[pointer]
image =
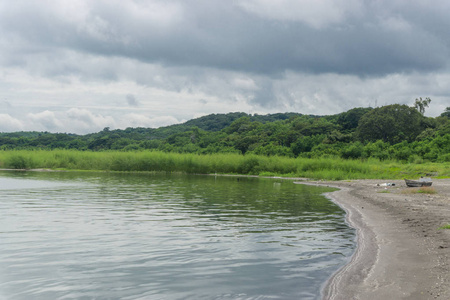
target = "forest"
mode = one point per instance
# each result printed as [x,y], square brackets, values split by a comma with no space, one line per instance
[392,132]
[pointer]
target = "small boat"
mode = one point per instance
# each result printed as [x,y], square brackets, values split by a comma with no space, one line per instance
[423,181]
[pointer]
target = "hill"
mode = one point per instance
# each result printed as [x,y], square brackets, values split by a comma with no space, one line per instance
[394,131]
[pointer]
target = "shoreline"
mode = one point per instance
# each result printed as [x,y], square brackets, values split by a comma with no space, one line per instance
[401,253]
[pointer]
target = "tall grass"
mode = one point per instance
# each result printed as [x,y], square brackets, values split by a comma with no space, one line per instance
[315,168]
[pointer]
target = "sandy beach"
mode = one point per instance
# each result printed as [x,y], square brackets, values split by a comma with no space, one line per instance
[401,253]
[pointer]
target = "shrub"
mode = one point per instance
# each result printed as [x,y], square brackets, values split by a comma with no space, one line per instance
[354,151]
[19,161]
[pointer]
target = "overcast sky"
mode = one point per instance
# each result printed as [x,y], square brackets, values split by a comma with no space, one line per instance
[81,65]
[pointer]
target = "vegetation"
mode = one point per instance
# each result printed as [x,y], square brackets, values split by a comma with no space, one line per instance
[385,141]
[222,163]
[447,226]
[421,190]
[391,124]
[420,104]
[384,192]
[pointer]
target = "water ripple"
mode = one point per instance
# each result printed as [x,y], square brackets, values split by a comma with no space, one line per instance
[116,236]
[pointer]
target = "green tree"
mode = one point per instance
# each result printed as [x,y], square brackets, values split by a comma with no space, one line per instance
[420,104]
[318,126]
[392,123]
[354,150]
[239,125]
[349,120]
[306,143]
[446,113]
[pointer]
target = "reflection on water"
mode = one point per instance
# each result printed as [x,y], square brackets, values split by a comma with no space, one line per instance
[143,236]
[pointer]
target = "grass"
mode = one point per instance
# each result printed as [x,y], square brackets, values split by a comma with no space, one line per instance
[421,190]
[384,192]
[154,161]
[427,190]
[447,226]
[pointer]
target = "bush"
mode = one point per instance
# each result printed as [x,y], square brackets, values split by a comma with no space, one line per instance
[250,165]
[444,157]
[415,159]
[19,161]
[353,151]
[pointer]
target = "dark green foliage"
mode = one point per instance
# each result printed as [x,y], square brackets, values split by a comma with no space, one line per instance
[240,125]
[273,149]
[249,166]
[392,123]
[336,136]
[353,151]
[378,149]
[215,122]
[19,161]
[444,129]
[349,120]
[393,132]
[306,143]
[446,113]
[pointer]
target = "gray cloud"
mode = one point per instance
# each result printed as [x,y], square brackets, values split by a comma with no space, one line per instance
[374,39]
[131,100]
[261,56]
[6,104]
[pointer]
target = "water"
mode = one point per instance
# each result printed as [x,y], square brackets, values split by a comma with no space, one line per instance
[125,236]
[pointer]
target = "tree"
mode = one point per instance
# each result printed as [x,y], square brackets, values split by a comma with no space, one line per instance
[240,124]
[446,113]
[420,104]
[317,126]
[349,120]
[392,123]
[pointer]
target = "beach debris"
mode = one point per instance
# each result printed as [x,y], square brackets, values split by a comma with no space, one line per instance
[386,184]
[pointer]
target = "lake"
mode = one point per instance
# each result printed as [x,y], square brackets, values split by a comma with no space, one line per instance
[85,235]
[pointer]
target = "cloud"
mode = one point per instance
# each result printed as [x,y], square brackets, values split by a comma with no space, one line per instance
[6,104]
[131,100]
[69,66]
[8,123]
[315,13]
[46,120]
[264,95]
[74,120]
[335,93]
[320,36]
[83,120]
[139,120]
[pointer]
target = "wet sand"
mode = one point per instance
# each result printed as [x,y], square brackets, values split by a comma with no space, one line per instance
[401,254]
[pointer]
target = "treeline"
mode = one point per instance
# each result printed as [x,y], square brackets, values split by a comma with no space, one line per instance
[392,132]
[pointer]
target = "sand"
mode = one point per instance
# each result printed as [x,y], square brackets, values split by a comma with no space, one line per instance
[401,253]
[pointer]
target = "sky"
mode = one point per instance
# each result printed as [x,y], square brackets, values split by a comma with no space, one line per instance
[79,66]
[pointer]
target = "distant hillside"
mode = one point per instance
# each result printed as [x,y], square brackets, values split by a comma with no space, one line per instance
[394,131]
[212,122]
